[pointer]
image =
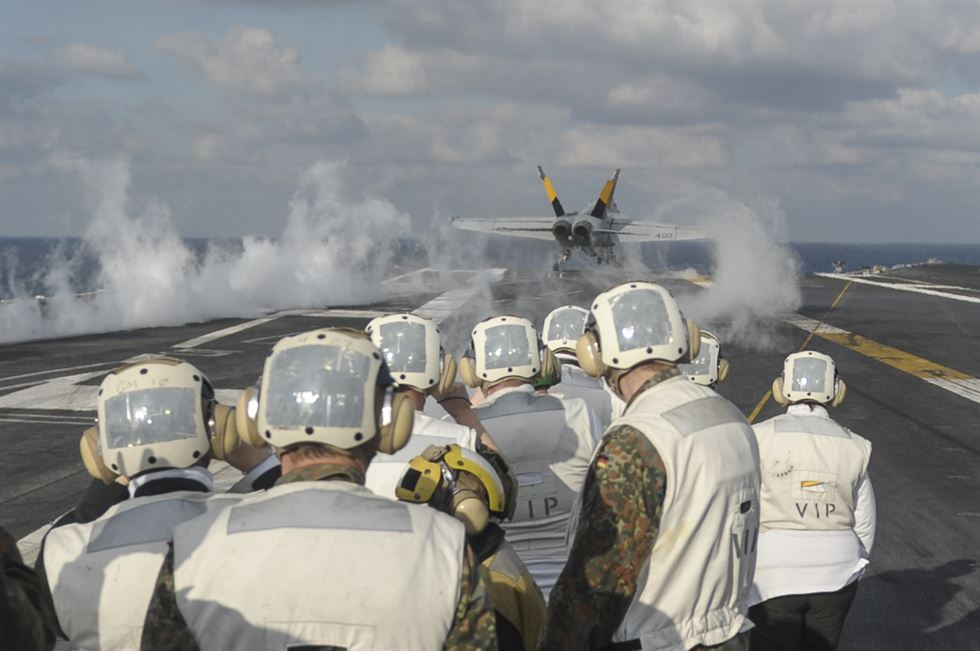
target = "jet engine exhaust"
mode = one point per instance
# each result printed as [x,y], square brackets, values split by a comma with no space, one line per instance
[562,230]
[582,232]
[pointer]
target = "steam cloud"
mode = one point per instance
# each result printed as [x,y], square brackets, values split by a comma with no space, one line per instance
[333,250]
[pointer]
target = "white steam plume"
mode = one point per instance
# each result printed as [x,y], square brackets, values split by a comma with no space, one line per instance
[333,250]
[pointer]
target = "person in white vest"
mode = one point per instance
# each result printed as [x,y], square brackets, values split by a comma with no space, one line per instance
[547,441]
[818,511]
[663,551]
[710,367]
[319,561]
[467,486]
[412,348]
[560,332]
[158,423]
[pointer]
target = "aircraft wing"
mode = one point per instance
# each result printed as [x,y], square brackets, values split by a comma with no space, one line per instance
[538,228]
[637,230]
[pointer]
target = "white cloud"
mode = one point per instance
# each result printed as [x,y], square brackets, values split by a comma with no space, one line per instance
[389,72]
[642,147]
[248,61]
[96,60]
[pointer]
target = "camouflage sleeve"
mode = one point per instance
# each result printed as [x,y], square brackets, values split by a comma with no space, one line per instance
[622,501]
[474,626]
[165,628]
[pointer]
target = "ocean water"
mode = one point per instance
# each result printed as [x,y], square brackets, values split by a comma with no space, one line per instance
[25,263]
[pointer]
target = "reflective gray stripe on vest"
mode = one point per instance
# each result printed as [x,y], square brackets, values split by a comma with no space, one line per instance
[318,509]
[416,444]
[514,404]
[145,524]
[789,424]
[703,413]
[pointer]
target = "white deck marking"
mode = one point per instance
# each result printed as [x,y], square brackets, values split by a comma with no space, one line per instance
[224,332]
[917,288]
[57,393]
[443,305]
[53,371]
[348,314]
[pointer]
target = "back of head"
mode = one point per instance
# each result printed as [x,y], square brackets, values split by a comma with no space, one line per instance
[330,387]
[413,351]
[154,413]
[502,348]
[635,323]
[710,367]
[456,481]
[562,328]
[809,376]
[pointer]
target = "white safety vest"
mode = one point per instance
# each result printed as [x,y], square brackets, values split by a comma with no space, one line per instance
[576,383]
[102,573]
[548,443]
[812,469]
[695,585]
[324,564]
[387,470]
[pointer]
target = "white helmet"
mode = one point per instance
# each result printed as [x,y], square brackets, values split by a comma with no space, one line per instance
[502,348]
[633,323]
[332,387]
[412,349]
[157,412]
[812,377]
[562,328]
[709,368]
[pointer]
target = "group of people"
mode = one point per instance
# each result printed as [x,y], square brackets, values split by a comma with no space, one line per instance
[581,488]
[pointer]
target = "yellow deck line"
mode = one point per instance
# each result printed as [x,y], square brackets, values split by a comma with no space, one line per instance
[920,367]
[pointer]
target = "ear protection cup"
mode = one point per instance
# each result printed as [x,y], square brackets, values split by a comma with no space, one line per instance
[589,356]
[723,368]
[467,372]
[224,433]
[550,365]
[777,391]
[693,341]
[88,447]
[841,391]
[397,430]
[246,427]
[448,373]
[469,509]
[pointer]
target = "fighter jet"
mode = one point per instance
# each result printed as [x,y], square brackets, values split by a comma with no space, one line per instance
[595,230]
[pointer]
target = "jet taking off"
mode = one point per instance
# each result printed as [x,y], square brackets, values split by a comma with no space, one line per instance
[595,230]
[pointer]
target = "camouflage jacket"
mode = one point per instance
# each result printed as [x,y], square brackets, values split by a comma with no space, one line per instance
[474,626]
[622,501]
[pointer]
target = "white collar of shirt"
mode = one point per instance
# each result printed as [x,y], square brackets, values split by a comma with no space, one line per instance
[195,473]
[524,388]
[805,409]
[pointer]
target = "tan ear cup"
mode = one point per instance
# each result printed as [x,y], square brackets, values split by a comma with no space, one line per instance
[224,436]
[88,446]
[448,373]
[693,340]
[467,372]
[589,357]
[777,391]
[839,394]
[395,435]
[247,428]
[723,368]
[469,509]
[550,366]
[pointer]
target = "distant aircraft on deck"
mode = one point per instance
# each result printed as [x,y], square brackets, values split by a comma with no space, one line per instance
[595,230]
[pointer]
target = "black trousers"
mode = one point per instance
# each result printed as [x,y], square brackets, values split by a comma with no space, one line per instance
[804,622]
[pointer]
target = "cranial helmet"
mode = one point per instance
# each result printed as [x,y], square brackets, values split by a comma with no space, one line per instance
[809,376]
[328,386]
[411,347]
[502,348]
[634,323]
[455,481]
[709,368]
[562,328]
[155,412]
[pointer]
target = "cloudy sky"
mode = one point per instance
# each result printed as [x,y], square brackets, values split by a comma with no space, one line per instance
[861,119]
